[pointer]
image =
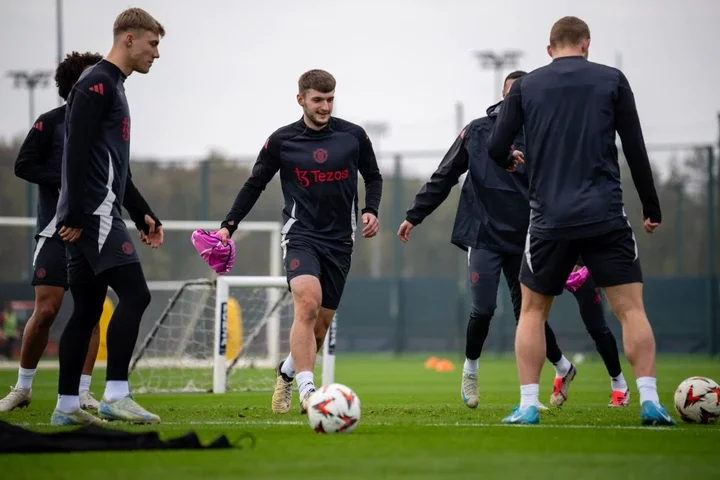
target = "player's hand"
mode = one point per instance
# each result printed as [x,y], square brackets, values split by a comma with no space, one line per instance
[650,226]
[518,158]
[404,232]
[372,225]
[155,235]
[70,234]
[224,235]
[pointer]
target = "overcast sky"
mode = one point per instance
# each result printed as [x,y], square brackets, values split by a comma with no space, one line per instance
[228,69]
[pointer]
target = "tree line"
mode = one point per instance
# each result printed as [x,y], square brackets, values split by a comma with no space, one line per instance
[205,190]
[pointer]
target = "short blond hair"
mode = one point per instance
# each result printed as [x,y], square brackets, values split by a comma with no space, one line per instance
[569,32]
[137,19]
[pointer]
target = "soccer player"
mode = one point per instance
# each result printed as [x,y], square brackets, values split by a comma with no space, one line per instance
[570,111]
[96,182]
[39,162]
[318,157]
[491,225]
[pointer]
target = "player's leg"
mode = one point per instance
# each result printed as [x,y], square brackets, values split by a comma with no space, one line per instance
[286,368]
[87,401]
[128,282]
[590,304]
[614,262]
[285,372]
[511,270]
[484,270]
[88,294]
[35,337]
[544,270]
[303,271]
[50,282]
[334,269]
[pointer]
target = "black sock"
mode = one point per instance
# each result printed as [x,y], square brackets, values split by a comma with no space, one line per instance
[131,288]
[477,332]
[589,301]
[552,350]
[88,299]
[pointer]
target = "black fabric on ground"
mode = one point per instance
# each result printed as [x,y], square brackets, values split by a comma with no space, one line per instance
[16,439]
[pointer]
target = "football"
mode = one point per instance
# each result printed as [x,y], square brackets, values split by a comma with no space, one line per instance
[334,408]
[697,400]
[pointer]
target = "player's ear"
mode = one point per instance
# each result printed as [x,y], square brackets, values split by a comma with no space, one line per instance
[549,51]
[300,100]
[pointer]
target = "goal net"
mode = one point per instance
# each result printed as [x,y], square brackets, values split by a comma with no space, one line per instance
[222,335]
[216,335]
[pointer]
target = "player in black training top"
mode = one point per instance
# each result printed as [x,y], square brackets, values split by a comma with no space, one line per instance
[39,162]
[491,225]
[318,158]
[96,182]
[570,111]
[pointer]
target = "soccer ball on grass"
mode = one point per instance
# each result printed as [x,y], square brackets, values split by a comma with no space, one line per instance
[697,400]
[333,408]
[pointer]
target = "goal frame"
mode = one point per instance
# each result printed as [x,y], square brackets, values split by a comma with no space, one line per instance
[222,296]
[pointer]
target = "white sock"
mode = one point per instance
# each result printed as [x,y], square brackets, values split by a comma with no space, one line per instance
[529,395]
[68,403]
[288,367]
[305,383]
[85,383]
[647,386]
[618,383]
[562,367]
[116,390]
[25,377]
[471,366]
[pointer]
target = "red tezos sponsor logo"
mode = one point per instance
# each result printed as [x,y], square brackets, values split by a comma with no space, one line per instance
[306,177]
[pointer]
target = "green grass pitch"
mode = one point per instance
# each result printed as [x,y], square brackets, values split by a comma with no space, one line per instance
[414,425]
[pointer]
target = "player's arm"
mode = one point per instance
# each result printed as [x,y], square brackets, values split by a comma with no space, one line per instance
[507,127]
[265,168]
[84,121]
[627,124]
[445,177]
[368,168]
[137,207]
[31,164]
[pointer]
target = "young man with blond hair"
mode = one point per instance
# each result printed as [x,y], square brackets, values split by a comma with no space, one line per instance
[96,183]
[319,158]
[570,111]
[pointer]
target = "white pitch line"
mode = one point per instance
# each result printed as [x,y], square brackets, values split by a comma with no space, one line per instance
[439,425]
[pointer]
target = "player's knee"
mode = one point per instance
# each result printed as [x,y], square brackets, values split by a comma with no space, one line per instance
[47,307]
[483,309]
[45,314]
[307,297]
[599,331]
[626,301]
[143,297]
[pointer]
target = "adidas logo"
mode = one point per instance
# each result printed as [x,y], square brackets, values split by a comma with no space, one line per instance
[38,126]
[98,89]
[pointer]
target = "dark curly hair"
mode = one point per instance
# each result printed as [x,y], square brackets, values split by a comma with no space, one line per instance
[69,70]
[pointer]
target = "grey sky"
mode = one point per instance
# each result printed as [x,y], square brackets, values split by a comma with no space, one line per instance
[228,69]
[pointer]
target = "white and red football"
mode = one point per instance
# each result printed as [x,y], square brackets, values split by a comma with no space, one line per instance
[697,400]
[334,408]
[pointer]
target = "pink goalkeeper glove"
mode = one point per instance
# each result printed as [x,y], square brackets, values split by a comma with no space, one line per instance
[218,256]
[576,279]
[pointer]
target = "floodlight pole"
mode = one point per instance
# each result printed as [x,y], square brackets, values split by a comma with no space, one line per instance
[498,62]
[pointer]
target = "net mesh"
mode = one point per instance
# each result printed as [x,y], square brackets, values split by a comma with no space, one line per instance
[177,353]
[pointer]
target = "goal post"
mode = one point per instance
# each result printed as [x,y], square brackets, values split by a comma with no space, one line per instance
[270,285]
